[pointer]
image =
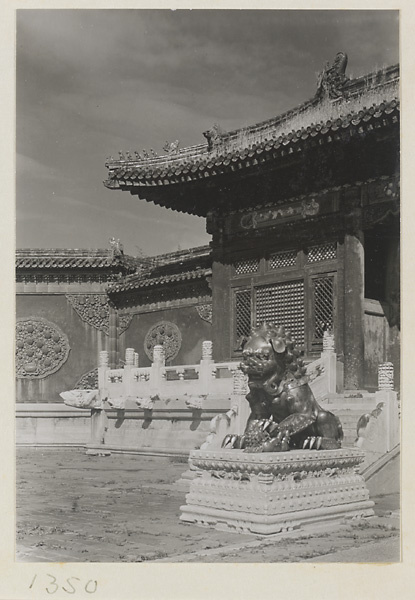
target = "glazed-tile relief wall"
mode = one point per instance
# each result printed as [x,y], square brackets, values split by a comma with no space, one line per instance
[55,344]
[59,336]
[182,331]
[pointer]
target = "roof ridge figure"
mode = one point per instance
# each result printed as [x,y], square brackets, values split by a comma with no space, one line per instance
[332,80]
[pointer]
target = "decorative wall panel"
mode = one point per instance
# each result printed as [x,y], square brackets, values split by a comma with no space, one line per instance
[124,321]
[205,312]
[94,309]
[41,348]
[88,381]
[166,334]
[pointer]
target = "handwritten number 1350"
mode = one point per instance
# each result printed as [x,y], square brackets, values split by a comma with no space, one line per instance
[90,587]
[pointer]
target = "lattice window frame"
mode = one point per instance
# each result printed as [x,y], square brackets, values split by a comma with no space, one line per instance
[248,266]
[282,313]
[282,260]
[322,253]
[242,322]
[322,284]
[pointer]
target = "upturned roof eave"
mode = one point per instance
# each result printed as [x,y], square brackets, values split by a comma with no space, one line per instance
[168,193]
[310,114]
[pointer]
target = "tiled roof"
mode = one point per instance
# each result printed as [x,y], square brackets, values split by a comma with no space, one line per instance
[368,102]
[56,258]
[180,256]
[136,282]
[148,272]
[174,267]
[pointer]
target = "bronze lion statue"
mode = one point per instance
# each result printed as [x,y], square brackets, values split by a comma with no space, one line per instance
[284,412]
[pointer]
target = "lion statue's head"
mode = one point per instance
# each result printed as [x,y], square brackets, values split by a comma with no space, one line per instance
[269,351]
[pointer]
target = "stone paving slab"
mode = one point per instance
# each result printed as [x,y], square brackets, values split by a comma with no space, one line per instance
[385,551]
[124,508]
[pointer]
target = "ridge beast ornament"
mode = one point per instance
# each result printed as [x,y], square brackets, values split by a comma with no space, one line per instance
[284,413]
[332,80]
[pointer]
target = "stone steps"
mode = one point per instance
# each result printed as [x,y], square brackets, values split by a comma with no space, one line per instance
[349,407]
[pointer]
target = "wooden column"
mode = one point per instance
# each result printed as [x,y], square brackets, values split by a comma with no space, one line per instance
[221,311]
[354,285]
[113,338]
[221,293]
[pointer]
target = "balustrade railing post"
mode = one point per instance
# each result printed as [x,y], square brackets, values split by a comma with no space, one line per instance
[205,373]
[103,365]
[329,362]
[389,398]
[385,376]
[127,376]
[157,365]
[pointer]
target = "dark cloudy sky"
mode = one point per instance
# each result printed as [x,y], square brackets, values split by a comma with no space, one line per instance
[92,82]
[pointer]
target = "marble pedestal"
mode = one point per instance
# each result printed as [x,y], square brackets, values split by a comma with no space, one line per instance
[268,493]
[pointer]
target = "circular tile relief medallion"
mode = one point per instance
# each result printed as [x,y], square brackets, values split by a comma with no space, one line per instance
[166,334]
[41,348]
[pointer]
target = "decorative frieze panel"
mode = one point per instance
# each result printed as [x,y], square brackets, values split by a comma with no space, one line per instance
[205,312]
[381,190]
[166,334]
[41,348]
[63,277]
[94,309]
[379,212]
[267,217]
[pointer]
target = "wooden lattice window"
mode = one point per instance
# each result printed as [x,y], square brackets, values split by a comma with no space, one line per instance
[243,311]
[283,259]
[243,267]
[323,305]
[283,304]
[322,252]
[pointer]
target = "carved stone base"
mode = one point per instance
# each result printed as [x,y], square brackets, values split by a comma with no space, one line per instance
[272,492]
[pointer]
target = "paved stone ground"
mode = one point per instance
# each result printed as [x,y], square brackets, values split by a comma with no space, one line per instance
[123,508]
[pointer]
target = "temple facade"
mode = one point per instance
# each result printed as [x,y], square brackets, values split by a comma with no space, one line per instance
[303,210]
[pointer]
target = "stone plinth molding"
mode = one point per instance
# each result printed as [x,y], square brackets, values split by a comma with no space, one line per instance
[273,492]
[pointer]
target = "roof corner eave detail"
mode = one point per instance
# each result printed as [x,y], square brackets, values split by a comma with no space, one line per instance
[370,102]
[111,184]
